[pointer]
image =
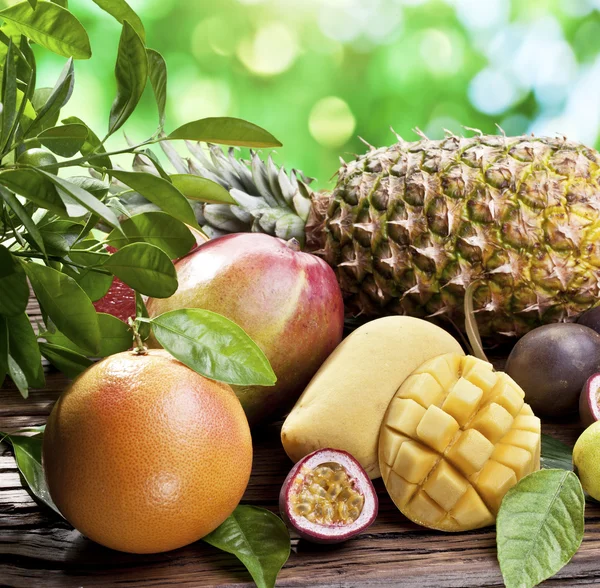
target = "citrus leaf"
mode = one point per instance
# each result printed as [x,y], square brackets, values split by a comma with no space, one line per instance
[131,72]
[539,527]
[33,186]
[18,376]
[32,3]
[51,26]
[93,283]
[144,268]
[28,455]
[3,350]
[82,196]
[14,291]
[13,202]
[64,140]
[140,311]
[258,538]
[157,71]
[65,360]
[213,346]
[23,348]
[225,131]
[67,305]
[9,95]
[156,228]
[197,188]
[92,145]
[121,11]
[51,102]
[556,454]
[160,192]
[115,335]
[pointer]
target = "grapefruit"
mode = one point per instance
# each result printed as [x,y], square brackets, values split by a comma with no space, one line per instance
[142,454]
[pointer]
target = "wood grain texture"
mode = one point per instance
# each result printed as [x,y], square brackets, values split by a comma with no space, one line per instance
[37,548]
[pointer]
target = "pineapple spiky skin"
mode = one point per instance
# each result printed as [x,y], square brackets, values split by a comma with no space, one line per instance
[409,227]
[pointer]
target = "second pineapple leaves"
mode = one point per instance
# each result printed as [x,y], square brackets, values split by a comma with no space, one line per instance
[226,131]
[539,527]
[145,268]
[51,26]
[213,346]
[258,538]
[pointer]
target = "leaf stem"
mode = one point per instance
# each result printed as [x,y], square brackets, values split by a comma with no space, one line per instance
[139,347]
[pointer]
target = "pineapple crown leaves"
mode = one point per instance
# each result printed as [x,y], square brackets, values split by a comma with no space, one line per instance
[268,199]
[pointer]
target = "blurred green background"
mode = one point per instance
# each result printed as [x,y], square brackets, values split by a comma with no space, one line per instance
[320,73]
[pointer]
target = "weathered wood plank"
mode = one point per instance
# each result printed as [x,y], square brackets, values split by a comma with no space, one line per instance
[38,548]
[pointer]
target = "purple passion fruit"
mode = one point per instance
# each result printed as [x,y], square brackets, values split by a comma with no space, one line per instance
[328,497]
[591,318]
[552,363]
[589,401]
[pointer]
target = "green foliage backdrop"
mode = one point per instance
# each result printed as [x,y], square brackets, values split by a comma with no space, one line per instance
[319,73]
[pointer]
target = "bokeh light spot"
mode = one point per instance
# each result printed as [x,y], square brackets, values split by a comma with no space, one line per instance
[331,122]
[492,91]
[213,34]
[272,51]
[442,54]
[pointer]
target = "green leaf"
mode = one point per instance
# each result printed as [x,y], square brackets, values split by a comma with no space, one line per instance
[9,96]
[145,268]
[23,348]
[95,187]
[122,12]
[14,291]
[140,311]
[92,145]
[64,140]
[93,283]
[32,3]
[156,228]
[94,258]
[225,131]
[157,71]
[556,454]
[28,455]
[197,188]
[67,361]
[18,376]
[35,187]
[3,350]
[160,192]
[59,236]
[13,202]
[258,538]
[49,110]
[115,335]
[213,346]
[51,26]
[539,527]
[131,72]
[67,305]
[82,196]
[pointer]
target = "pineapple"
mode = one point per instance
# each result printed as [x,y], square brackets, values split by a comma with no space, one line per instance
[409,227]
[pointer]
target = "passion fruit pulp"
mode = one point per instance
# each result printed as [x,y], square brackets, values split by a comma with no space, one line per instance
[328,497]
[589,401]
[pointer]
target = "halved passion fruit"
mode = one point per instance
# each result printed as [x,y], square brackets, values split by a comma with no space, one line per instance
[589,401]
[328,497]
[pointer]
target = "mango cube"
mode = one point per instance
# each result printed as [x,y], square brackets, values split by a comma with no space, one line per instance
[401,490]
[424,510]
[414,461]
[517,459]
[493,422]
[437,428]
[443,368]
[470,452]
[524,439]
[470,512]
[424,389]
[493,482]
[390,445]
[445,485]
[404,415]
[462,401]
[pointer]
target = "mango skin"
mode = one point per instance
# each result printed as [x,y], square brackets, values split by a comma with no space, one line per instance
[344,404]
[287,301]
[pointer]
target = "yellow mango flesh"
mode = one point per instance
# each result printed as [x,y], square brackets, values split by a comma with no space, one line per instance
[344,404]
[455,438]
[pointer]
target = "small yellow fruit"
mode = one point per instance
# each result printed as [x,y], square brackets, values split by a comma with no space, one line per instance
[586,459]
[144,455]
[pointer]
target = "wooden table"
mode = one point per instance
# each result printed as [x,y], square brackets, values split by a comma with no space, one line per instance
[37,548]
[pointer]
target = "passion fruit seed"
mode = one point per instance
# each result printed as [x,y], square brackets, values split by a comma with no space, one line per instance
[327,495]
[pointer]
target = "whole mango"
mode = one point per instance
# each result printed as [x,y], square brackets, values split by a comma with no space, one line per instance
[287,301]
[345,402]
